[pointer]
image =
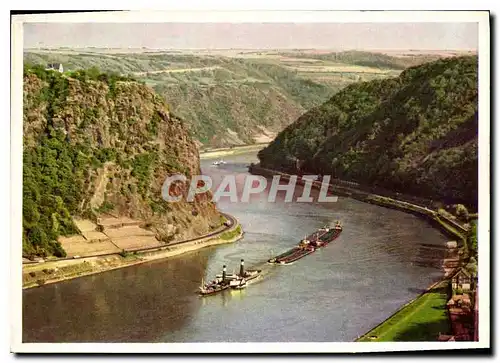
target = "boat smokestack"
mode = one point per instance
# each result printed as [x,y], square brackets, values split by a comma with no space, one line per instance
[224,273]
[242,268]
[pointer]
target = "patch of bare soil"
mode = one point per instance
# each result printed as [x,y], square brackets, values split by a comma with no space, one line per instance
[79,246]
[110,235]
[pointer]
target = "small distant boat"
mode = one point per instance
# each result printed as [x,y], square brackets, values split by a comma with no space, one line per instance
[219,162]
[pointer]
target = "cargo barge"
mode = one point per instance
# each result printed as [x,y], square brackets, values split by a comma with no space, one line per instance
[234,281]
[308,245]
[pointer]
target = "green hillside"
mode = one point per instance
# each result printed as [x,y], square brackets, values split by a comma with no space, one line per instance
[415,133]
[95,143]
[227,100]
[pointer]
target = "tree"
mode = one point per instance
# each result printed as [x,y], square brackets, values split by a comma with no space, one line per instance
[462,213]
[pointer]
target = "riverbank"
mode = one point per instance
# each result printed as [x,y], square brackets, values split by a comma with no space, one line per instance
[39,274]
[418,320]
[220,152]
[353,190]
[431,304]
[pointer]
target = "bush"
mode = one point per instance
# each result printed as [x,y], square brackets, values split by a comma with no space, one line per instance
[124,253]
[59,250]
[166,238]
[462,213]
[40,282]
[51,192]
[231,234]
[473,237]
[106,206]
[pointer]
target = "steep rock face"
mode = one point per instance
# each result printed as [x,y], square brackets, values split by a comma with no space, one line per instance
[95,143]
[416,133]
[233,115]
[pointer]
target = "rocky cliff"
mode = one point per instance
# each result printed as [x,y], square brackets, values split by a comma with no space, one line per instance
[98,143]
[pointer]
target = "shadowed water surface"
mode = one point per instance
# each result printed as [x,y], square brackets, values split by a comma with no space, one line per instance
[382,259]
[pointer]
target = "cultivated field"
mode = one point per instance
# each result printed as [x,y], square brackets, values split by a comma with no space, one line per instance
[110,235]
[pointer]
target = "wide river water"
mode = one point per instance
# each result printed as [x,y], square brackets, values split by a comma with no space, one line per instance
[381,260]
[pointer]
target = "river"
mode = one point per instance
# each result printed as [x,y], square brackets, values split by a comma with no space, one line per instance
[380,261]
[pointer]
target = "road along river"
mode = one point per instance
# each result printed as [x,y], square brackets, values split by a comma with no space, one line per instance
[382,259]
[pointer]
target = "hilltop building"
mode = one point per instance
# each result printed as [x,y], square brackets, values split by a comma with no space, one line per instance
[55,67]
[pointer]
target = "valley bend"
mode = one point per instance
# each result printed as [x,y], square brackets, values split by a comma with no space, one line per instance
[284,180]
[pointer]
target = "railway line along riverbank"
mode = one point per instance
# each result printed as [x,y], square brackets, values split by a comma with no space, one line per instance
[37,273]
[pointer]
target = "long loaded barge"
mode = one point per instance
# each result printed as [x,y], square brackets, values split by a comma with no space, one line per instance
[308,245]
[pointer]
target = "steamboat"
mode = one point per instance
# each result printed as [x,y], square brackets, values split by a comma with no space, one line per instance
[308,245]
[233,281]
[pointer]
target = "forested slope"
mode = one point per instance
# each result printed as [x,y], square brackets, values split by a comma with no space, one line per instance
[227,100]
[415,133]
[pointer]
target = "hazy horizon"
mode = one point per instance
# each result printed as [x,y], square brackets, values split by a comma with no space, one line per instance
[213,36]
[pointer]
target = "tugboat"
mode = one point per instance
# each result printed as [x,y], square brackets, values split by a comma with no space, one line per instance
[215,286]
[247,275]
[238,284]
[235,281]
[240,280]
[308,245]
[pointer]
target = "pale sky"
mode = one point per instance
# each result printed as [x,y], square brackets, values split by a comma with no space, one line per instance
[438,36]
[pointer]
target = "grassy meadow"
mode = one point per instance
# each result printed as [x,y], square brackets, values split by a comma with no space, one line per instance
[421,320]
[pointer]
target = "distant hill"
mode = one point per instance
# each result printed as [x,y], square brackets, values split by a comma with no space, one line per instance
[416,133]
[372,59]
[231,100]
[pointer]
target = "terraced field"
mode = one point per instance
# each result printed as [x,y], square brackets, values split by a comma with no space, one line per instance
[110,235]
